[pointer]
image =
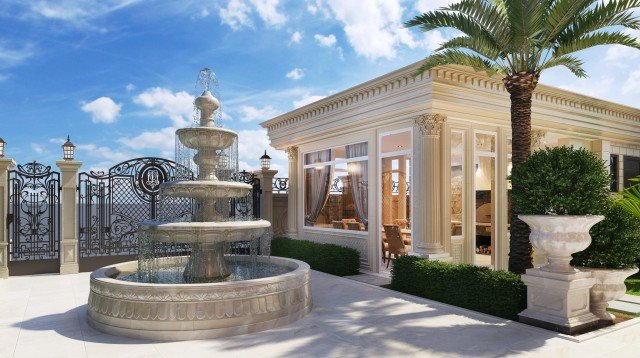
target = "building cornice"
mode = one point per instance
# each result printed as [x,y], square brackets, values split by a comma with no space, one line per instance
[462,76]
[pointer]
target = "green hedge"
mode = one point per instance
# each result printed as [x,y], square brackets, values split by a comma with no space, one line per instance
[498,293]
[329,258]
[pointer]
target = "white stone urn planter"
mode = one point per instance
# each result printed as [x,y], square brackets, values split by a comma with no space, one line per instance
[609,287]
[560,236]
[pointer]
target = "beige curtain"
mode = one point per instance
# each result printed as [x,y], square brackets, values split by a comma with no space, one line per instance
[318,182]
[359,178]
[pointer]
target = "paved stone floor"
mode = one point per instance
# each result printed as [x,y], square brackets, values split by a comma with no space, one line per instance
[44,316]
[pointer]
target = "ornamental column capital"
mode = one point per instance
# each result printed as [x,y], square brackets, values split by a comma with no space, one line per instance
[292,153]
[430,124]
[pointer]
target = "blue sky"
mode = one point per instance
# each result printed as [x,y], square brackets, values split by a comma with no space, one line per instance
[118,75]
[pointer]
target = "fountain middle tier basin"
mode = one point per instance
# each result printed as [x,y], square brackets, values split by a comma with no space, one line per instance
[204,232]
[205,189]
[197,311]
[206,137]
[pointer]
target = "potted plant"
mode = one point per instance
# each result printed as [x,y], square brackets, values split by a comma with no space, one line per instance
[611,257]
[560,193]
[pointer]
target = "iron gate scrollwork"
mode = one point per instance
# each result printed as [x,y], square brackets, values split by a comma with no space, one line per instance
[250,205]
[34,215]
[112,204]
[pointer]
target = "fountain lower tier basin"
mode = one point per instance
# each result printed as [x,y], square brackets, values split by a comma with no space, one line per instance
[205,189]
[211,138]
[204,232]
[197,311]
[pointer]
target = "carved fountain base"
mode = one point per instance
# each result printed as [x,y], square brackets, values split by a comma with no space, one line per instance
[197,311]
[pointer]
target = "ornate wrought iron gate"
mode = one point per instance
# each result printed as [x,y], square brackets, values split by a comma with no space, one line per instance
[112,204]
[34,219]
[246,207]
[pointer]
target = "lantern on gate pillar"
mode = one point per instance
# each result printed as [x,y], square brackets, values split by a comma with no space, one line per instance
[68,149]
[265,161]
[2,144]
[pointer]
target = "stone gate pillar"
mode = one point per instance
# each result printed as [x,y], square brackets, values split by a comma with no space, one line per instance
[69,219]
[292,199]
[266,186]
[5,165]
[429,238]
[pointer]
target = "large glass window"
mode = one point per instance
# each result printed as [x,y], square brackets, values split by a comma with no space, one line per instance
[457,182]
[485,173]
[336,188]
[631,167]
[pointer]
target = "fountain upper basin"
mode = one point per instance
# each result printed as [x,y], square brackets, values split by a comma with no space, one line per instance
[204,232]
[205,189]
[206,137]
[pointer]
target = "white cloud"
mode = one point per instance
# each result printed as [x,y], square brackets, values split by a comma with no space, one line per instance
[423,6]
[325,41]
[236,14]
[252,144]
[103,110]
[307,99]
[621,55]
[130,87]
[296,37]
[79,13]
[632,83]
[160,140]
[295,74]
[251,113]
[37,148]
[10,57]
[268,12]
[177,106]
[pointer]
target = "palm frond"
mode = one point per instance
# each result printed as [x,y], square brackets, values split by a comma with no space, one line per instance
[573,63]
[472,43]
[561,14]
[596,39]
[526,19]
[439,19]
[457,57]
[631,200]
[487,15]
[602,15]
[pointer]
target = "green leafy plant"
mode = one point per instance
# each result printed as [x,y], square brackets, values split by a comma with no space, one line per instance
[615,241]
[498,293]
[518,40]
[631,199]
[329,258]
[561,181]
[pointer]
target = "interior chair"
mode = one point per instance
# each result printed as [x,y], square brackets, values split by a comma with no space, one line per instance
[394,240]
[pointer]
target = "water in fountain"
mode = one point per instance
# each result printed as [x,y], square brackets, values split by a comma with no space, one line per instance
[221,240]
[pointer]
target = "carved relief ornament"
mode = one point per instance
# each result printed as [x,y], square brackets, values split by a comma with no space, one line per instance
[430,124]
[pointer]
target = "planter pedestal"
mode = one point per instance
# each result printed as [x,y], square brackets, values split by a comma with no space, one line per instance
[559,301]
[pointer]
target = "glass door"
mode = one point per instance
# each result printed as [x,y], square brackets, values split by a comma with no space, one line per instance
[485,191]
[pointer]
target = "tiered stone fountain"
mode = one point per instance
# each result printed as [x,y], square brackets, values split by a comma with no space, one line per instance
[212,300]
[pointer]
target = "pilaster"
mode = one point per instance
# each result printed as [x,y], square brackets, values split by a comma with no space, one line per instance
[266,186]
[69,243]
[5,165]
[429,241]
[292,199]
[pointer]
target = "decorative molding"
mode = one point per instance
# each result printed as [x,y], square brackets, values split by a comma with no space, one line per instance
[537,135]
[430,124]
[292,153]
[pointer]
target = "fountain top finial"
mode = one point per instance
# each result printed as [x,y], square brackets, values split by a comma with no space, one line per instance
[206,103]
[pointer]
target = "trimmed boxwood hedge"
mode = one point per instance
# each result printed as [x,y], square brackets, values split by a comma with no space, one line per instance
[329,258]
[498,293]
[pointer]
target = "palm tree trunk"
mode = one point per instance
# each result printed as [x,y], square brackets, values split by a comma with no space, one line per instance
[520,87]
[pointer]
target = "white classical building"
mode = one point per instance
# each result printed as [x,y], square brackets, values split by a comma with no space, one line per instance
[428,157]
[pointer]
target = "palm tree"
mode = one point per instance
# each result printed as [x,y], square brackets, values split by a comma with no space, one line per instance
[518,39]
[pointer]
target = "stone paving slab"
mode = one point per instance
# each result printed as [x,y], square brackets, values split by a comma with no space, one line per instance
[45,316]
[376,280]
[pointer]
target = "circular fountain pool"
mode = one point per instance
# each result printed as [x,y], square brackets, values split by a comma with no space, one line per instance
[162,311]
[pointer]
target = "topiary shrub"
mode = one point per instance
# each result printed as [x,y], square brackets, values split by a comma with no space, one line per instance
[615,241]
[561,181]
[329,258]
[498,293]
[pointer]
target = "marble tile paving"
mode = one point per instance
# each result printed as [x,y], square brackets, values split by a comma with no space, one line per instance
[45,316]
